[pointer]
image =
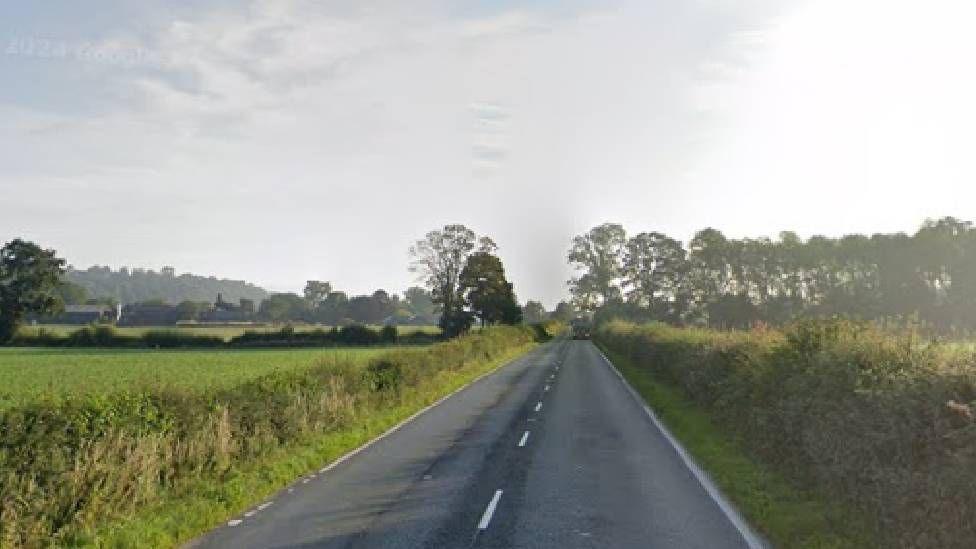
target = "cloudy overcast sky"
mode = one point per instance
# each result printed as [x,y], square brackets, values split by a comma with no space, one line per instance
[283,140]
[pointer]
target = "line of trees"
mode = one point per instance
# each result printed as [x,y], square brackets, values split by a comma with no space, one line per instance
[927,277]
[134,285]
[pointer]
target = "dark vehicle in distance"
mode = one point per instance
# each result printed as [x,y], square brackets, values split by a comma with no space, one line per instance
[581,328]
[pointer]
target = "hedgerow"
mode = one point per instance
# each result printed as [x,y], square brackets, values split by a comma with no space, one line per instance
[882,423]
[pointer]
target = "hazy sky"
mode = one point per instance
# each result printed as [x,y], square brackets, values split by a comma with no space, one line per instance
[282,140]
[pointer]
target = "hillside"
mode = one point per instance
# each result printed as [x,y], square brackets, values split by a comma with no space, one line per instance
[129,286]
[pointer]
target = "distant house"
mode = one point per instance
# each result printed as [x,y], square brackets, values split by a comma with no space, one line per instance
[149,314]
[224,311]
[80,314]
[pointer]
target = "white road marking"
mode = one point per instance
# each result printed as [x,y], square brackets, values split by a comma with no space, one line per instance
[290,490]
[264,506]
[751,538]
[249,514]
[547,388]
[525,437]
[490,511]
[305,481]
[538,406]
[234,522]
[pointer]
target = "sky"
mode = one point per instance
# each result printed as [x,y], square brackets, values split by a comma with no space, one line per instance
[279,141]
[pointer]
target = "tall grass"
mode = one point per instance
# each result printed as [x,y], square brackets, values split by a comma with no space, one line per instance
[878,422]
[69,467]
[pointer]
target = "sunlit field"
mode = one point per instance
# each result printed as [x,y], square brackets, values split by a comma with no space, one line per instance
[30,373]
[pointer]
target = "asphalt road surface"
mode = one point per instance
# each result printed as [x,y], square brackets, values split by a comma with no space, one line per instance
[552,450]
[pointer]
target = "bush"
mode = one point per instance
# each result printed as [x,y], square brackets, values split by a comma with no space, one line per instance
[877,421]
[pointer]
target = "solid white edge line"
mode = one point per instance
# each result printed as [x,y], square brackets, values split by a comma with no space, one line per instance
[752,539]
[538,407]
[525,437]
[490,511]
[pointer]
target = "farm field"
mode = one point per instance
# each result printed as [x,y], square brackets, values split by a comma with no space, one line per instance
[30,373]
[226,332]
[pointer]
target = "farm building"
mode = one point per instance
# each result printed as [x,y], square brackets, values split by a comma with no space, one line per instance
[80,314]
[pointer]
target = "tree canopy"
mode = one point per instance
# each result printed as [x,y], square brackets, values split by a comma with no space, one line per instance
[29,280]
[929,276]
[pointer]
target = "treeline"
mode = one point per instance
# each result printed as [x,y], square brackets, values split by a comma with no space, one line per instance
[928,277]
[321,304]
[288,336]
[139,285]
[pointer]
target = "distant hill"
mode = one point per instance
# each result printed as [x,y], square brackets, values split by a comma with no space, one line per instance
[135,285]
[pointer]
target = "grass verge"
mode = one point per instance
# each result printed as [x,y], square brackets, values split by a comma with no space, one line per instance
[785,515]
[206,503]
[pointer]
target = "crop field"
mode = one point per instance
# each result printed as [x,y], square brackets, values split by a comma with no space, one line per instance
[225,331]
[30,373]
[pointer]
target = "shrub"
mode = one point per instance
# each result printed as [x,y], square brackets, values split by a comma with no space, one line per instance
[877,421]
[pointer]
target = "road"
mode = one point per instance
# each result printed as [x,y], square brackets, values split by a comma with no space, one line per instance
[552,450]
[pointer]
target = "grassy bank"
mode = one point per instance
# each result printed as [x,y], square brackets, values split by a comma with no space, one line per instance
[152,469]
[785,515]
[834,420]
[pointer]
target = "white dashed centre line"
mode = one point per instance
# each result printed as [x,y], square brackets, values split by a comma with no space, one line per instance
[538,406]
[547,388]
[490,511]
[525,437]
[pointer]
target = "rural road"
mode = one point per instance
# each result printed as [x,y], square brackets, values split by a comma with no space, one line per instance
[592,471]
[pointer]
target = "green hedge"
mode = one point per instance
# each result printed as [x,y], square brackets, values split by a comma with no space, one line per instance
[67,467]
[882,423]
[107,336]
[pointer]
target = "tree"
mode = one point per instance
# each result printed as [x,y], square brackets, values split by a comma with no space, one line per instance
[420,303]
[438,259]
[283,307]
[72,294]
[654,268]
[29,280]
[598,254]
[316,292]
[534,312]
[487,291]
[564,311]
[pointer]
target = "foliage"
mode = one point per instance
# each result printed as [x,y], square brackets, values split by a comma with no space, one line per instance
[137,285]
[29,277]
[598,254]
[534,312]
[288,336]
[927,278]
[438,259]
[70,466]
[486,290]
[879,422]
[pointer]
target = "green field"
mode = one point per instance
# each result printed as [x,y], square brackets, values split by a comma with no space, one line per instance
[29,373]
[225,331]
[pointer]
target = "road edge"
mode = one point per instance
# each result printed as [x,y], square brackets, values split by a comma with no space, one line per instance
[750,536]
[194,542]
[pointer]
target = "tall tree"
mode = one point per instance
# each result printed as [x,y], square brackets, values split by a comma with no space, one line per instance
[534,312]
[597,256]
[654,269]
[29,279]
[487,291]
[438,259]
